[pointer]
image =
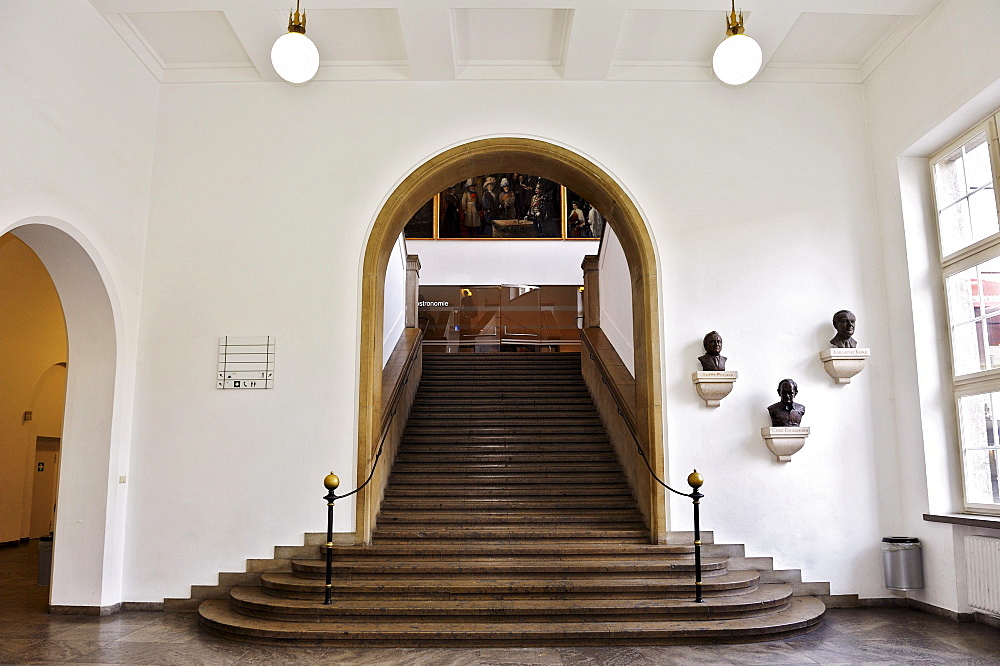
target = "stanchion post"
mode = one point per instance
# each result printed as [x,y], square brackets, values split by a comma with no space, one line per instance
[331,483]
[695,480]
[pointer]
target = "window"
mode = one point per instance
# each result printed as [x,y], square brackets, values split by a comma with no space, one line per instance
[965,175]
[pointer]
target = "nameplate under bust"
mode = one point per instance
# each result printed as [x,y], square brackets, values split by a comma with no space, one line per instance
[779,431]
[714,374]
[846,352]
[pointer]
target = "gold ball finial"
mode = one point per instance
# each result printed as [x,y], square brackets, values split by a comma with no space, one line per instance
[332,481]
[695,480]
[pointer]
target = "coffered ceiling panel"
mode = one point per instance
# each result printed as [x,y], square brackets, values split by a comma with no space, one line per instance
[659,36]
[357,36]
[835,39]
[189,38]
[510,35]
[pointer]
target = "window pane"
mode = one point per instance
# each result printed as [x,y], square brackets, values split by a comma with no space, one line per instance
[967,343]
[983,211]
[949,179]
[963,294]
[981,477]
[978,429]
[956,227]
[977,163]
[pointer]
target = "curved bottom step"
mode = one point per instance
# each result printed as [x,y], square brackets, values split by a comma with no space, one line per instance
[803,615]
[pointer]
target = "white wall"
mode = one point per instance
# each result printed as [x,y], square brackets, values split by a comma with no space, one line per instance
[394,315]
[538,262]
[762,239]
[616,298]
[77,118]
[942,81]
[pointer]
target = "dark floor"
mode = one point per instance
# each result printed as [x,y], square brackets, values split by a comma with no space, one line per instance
[858,636]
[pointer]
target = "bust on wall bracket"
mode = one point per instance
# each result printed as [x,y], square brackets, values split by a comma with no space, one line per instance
[713,382]
[786,434]
[844,359]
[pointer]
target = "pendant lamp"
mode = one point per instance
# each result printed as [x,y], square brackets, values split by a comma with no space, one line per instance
[738,58]
[293,55]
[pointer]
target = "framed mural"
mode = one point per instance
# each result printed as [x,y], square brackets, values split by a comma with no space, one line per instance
[506,206]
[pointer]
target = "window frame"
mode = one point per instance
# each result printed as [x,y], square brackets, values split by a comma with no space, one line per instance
[978,252]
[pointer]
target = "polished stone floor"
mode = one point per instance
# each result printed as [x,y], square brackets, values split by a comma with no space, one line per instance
[858,636]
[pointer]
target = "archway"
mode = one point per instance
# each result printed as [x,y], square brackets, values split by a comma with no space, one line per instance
[576,173]
[86,573]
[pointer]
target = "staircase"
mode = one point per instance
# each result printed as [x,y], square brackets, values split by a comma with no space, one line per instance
[507,521]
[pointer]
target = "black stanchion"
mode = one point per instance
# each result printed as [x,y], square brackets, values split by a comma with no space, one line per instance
[695,480]
[331,482]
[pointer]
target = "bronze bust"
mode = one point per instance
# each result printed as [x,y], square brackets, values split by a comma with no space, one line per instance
[786,412]
[713,358]
[843,321]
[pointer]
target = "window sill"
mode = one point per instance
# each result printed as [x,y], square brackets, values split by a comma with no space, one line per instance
[968,519]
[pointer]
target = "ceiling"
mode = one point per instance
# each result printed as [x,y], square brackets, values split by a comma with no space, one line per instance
[189,41]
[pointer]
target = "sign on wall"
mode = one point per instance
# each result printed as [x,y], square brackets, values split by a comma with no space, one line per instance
[246,363]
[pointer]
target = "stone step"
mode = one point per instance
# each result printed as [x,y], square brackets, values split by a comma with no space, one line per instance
[256,602]
[477,469]
[597,447]
[522,530]
[549,550]
[801,616]
[493,518]
[441,456]
[525,439]
[484,586]
[475,504]
[510,566]
[525,492]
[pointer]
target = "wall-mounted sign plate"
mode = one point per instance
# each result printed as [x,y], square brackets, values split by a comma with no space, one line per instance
[246,363]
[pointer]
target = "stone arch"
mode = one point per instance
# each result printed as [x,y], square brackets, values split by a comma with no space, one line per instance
[521,155]
[86,573]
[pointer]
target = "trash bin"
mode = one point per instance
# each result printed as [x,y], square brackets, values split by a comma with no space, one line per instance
[44,560]
[902,563]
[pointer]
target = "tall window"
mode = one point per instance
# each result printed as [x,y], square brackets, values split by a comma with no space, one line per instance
[965,177]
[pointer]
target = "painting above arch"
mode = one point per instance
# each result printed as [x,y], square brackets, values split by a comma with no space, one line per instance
[506,206]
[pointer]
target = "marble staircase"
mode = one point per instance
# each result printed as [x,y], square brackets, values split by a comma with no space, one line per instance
[508,521]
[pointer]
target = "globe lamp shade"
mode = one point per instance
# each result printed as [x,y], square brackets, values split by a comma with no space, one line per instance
[737,60]
[295,57]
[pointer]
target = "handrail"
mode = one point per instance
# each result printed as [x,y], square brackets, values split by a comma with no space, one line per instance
[390,411]
[695,480]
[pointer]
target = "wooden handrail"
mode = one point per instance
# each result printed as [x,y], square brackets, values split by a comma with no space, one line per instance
[389,408]
[624,409]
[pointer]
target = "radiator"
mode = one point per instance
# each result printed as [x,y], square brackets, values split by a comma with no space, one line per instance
[982,557]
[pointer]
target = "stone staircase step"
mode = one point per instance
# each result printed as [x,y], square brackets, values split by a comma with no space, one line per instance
[256,602]
[478,566]
[503,548]
[512,517]
[483,586]
[802,615]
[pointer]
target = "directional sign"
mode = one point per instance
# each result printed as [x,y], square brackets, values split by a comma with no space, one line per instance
[246,363]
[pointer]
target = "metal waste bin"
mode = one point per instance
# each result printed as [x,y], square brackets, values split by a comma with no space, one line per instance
[44,560]
[902,563]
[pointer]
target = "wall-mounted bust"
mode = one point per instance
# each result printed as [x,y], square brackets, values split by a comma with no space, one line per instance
[786,412]
[713,358]
[843,321]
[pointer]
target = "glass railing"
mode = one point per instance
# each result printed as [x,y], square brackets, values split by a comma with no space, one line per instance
[501,318]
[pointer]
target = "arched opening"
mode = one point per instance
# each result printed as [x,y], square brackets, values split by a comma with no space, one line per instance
[575,172]
[86,569]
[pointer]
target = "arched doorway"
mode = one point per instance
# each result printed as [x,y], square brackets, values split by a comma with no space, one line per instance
[576,173]
[87,553]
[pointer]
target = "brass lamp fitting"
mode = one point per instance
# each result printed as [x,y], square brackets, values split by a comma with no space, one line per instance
[734,22]
[297,20]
